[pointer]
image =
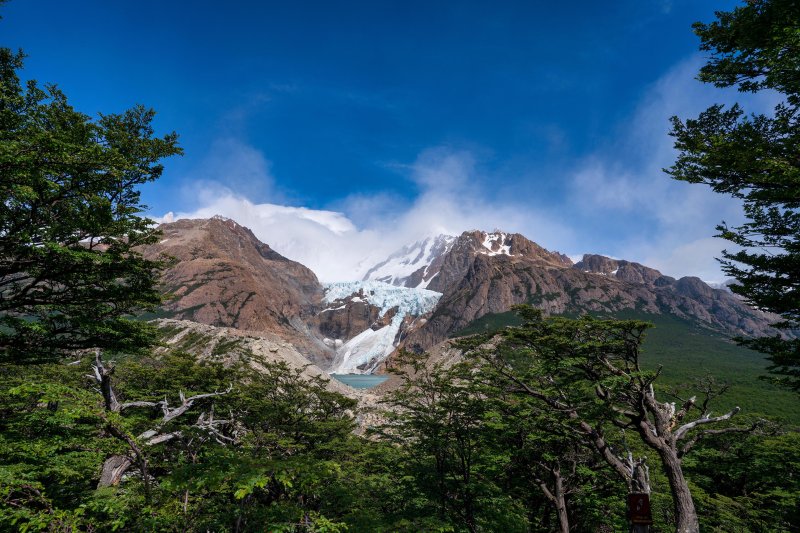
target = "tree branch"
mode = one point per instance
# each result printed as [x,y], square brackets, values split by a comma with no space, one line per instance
[684,429]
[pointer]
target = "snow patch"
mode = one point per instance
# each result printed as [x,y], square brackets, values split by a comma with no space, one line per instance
[495,244]
[399,266]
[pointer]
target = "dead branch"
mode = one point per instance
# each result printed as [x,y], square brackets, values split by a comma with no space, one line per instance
[684,429]
[699,436]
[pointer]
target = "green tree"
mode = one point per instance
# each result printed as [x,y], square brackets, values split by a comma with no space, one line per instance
[588,372]
[444,422]
[749,483]
[755,158]
[70,275]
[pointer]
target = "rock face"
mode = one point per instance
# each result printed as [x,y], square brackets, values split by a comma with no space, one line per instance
[365,321]
[348,317]
[622,270]
[225,276]
[256,350]
[235,346]
[490,272]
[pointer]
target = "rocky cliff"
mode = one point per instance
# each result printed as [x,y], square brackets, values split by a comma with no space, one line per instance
[224,276]
[490,272]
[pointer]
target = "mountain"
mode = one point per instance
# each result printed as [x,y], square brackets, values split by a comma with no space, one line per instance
[485,273]
[414,265]
[224,276]
[421,295]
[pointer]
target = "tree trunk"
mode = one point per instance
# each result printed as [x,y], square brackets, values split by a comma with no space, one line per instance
[557,498]
[113,470]
[561,504]
[685,514]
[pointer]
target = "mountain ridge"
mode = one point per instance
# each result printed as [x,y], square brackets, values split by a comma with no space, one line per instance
[224,276]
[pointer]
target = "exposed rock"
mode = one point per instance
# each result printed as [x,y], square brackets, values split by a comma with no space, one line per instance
[255,349]
[225,276]
[232,346]
[482,275]
[347,320]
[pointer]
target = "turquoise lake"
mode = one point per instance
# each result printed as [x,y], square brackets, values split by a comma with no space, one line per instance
[360,381]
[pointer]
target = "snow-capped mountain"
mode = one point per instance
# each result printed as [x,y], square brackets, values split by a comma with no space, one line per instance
[416,298]
[488,273]
[414,265]
[396,309]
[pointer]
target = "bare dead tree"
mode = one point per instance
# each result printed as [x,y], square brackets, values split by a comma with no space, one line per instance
[116,466]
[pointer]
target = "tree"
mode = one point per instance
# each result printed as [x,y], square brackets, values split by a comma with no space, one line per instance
[756,158]
[70,275]
[588,371]
[488,458]
[444,422]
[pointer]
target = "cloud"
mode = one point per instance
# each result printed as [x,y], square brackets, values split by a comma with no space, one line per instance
[443,169]
[622,191]
[337,249]
[231,165]
[617,198]
[691,258]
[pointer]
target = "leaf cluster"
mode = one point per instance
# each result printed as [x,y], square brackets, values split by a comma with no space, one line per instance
[756,158]
[70,224]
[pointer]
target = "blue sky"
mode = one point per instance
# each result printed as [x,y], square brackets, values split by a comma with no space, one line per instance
[341,130]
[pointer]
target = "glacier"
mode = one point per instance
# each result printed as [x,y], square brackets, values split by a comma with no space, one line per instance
[370,347]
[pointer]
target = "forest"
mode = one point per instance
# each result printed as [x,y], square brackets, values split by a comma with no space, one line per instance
[548,425]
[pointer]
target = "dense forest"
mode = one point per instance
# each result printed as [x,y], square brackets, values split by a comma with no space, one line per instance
[548,425]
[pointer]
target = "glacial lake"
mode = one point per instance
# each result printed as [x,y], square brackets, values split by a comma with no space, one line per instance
[360,381]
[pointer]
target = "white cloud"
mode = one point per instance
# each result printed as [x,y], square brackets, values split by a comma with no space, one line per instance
[652,218]
[618,199]
[443,169]
[337,249]
[231,165]
[693,258]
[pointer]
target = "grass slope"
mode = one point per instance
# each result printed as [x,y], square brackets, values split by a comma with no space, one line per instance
[688,352]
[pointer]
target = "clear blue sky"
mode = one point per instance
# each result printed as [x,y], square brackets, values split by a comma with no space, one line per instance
[332,103]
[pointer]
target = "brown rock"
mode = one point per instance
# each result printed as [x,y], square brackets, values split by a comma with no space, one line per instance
[225,276]
[476,283]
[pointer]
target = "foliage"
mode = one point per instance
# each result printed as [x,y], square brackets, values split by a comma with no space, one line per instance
[69,221]
[685,350]
[489,460]
[748,484]
[756,158]
[587,373]
[461,453]
[290,464]
[445,426]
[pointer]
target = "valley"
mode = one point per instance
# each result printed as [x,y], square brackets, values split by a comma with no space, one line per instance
[444,287]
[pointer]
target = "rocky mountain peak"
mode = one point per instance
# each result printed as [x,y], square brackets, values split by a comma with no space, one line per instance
[214,236]
[498,243]
[622,270]
[225,276]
